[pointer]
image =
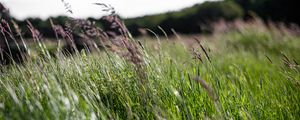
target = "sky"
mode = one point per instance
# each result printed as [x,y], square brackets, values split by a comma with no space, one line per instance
[22,9]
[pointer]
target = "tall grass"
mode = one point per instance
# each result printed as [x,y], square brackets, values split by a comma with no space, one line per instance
[240,82]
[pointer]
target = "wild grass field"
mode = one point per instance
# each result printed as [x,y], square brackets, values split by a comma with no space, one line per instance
[250,72]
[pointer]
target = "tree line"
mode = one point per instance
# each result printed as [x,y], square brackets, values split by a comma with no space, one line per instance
[195,19]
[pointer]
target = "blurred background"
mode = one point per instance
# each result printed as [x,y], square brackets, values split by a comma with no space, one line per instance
[186,17]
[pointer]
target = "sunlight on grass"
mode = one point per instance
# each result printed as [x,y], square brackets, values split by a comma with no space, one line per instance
[247,78]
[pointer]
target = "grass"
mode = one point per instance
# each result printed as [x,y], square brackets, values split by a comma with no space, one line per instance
[248,77]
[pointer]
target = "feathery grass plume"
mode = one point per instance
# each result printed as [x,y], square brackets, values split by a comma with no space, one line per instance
[197,55]
[286,61]
[55,33]
[203,49]
[269,59]
[120,37]
[208,88]
[213,96]
[4,12]
[3,40]
[10,51]
[117,30]
[9,32]
[165,34]
[84,33]
[19,32]
[37,37]
[66,35]
[5,50]
[10,47]
[295,62]
[289,63]
[67,6]
[77,32]
[107,8]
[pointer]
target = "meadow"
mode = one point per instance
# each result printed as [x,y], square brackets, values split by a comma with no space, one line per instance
[247,72]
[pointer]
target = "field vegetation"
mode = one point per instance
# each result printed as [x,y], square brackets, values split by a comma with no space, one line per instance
[242,71]
[215,60]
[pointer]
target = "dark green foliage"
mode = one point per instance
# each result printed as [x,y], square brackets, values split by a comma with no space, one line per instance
[189,20]
[276,10]
[214,11]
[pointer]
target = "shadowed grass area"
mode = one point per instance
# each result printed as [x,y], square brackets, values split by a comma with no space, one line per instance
[252,75]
